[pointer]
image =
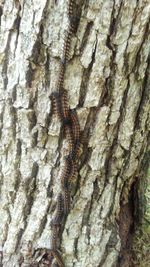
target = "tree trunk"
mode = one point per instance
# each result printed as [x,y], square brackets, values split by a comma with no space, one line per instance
[107,82]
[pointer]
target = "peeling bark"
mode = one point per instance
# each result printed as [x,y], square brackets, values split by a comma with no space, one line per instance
[107,79]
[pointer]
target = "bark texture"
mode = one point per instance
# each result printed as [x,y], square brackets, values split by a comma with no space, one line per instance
[108,83]
[140,242]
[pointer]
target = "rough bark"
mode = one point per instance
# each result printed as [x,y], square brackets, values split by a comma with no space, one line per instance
[140,241]
[107,80]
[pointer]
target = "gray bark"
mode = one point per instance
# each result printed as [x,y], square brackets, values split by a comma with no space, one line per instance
[107,80]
